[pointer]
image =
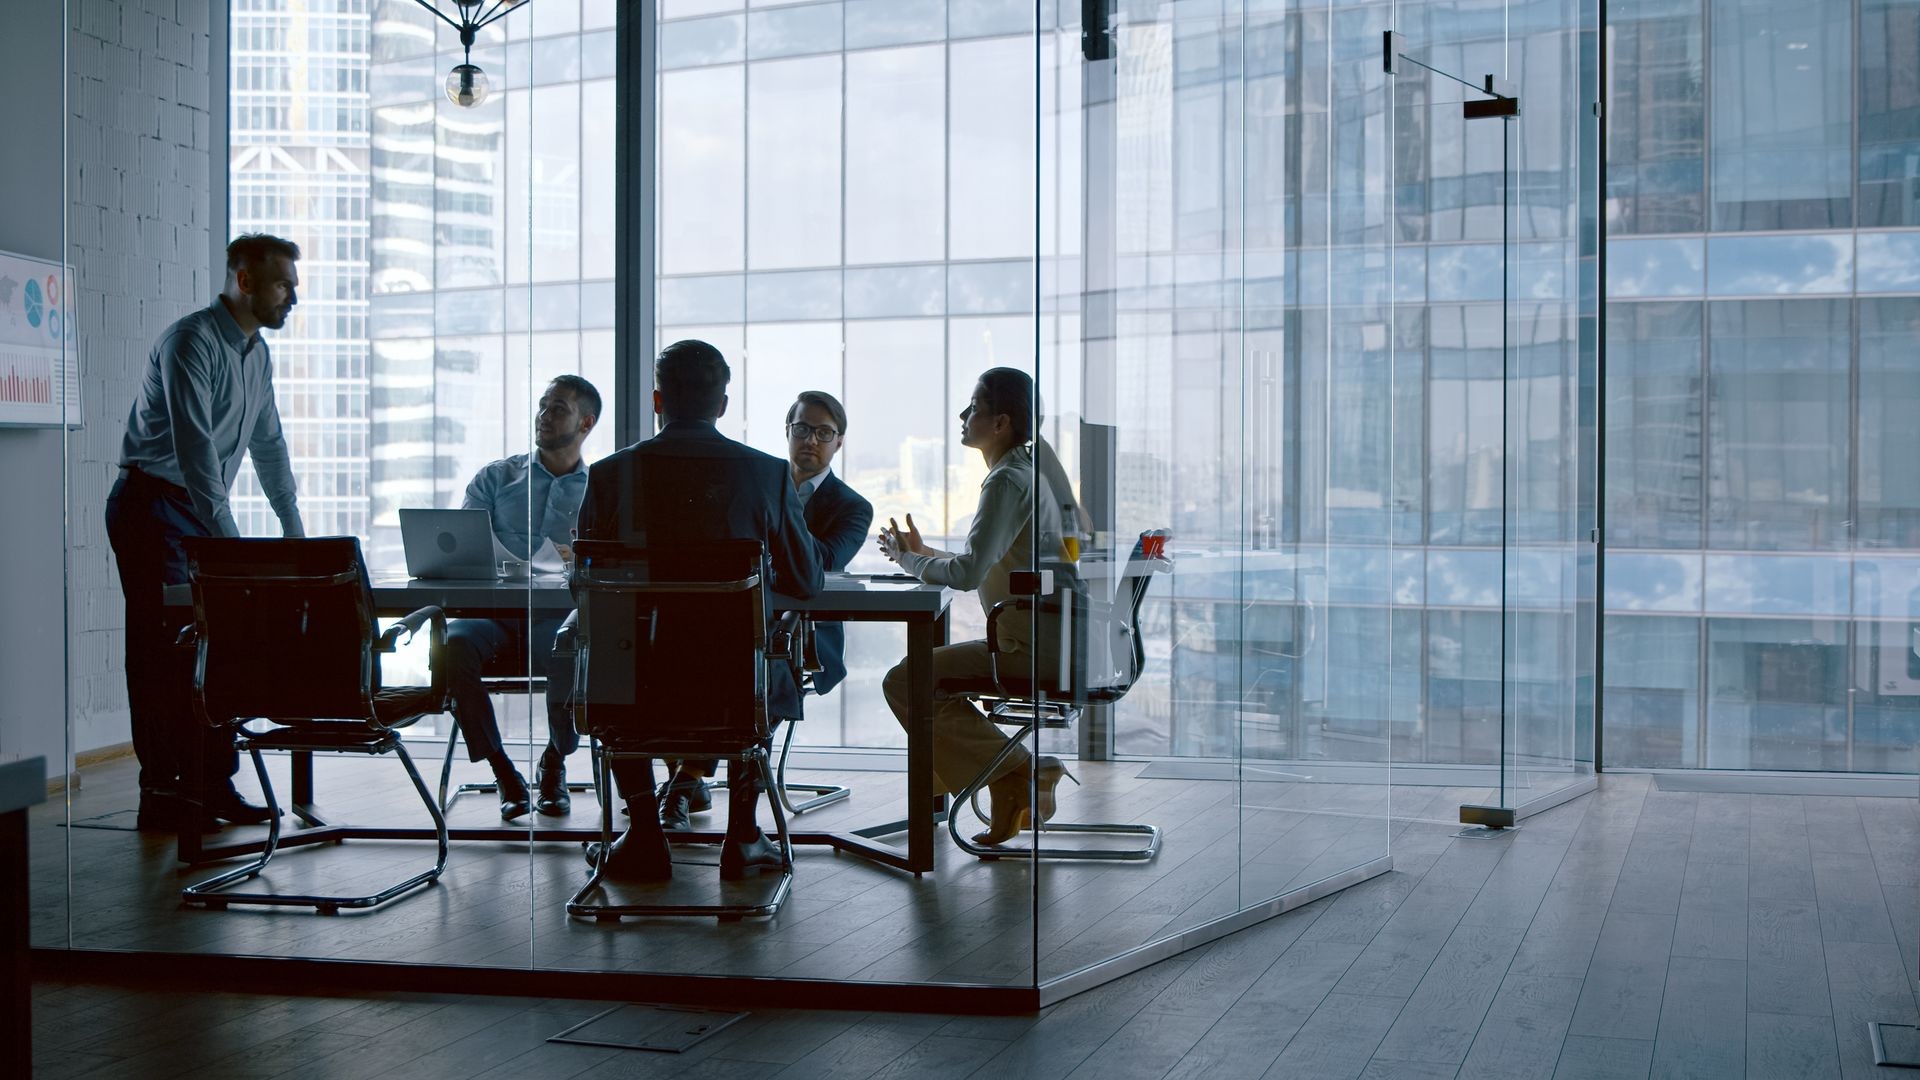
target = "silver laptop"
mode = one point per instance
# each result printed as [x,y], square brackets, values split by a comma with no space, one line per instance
[449,543]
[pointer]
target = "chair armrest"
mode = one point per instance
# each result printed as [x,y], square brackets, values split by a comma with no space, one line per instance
[994,652]
[993,620]
[809,653]
[566,640]
[390,639]
[787,640]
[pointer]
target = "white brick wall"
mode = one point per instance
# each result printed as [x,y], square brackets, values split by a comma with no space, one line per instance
[139,164]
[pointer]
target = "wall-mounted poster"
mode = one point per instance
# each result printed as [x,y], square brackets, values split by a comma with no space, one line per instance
[39,356]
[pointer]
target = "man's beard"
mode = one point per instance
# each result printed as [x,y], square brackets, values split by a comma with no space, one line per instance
[555,441]
[271,317]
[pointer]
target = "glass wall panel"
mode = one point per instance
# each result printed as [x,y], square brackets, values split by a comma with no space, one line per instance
[1782,115]
[1818,142]
[1492,206]
[1889,493]
[57,704]
[1308,482]
[793,163]
[896,154]
[1777,417]
[1655,485]
[439,290]
[1888,110]
[1656,129]
[1776,694]
[1653,692]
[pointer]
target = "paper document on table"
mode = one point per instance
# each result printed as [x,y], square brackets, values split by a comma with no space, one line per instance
[547,559]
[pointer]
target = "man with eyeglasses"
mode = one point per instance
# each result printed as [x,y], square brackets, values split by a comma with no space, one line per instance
[838,520]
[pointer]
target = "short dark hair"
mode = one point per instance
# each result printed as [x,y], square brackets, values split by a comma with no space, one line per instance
[824,400]
[251,249]
[1010,394]
[692,378]
[583,392]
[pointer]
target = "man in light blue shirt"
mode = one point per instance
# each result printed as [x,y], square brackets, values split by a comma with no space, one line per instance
[534,500]
[205,401]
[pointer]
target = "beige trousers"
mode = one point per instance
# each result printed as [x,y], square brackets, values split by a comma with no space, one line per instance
[964,740]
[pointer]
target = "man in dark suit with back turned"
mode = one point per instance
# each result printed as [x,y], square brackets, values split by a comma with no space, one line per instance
[687,485]
[838,519]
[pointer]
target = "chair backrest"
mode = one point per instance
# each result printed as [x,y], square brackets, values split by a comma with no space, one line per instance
[1107,651]
[286,629]
[673,641]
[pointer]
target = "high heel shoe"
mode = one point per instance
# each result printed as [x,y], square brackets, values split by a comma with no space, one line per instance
[1012,812]
[1048,771]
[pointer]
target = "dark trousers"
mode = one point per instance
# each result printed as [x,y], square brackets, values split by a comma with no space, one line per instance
[146,521]
[634,776]
[479,647]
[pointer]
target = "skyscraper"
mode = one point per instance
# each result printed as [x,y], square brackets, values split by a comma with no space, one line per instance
[297,168]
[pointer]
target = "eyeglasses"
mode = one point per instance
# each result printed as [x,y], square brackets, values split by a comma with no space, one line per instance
[800,432]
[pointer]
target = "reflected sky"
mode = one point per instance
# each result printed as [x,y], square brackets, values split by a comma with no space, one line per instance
[1668,266]
[1779,265]
[1889,262]
[1885,587]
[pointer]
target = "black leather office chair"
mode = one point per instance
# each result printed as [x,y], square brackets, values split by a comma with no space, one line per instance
[675,653]
[1086,651]
[284,634]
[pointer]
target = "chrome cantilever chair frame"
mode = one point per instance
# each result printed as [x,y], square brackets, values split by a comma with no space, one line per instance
[508,685]
[365,734]
[579,906]
[1039,718]
[1032,711]
[208,893]
[586,587]
[823,794]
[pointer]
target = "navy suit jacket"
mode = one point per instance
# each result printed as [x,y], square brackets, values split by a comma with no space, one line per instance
[839,519]
[690,484]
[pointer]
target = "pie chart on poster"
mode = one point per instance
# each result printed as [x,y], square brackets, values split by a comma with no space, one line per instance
[34,303]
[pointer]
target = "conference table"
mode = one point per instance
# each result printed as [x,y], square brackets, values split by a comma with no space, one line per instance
[847,598]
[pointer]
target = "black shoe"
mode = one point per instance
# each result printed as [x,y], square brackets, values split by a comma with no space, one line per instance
[681,797]
[738,858]
[551,781]
[228,806]
[676,806]
[514,799]
[635,857]
[163,811]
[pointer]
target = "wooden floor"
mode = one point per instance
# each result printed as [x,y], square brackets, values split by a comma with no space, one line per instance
[1631,933]
[503,904]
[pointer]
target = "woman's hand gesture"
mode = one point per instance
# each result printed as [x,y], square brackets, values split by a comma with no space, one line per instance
[893,540]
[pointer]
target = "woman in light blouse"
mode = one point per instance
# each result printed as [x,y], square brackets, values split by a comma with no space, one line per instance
[998,422]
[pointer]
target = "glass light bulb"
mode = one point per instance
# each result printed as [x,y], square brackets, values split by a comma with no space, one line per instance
[466,86]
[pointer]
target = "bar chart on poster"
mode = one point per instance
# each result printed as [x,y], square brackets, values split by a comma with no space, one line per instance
[39,364]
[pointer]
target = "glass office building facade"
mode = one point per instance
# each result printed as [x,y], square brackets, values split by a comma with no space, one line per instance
[1763,324]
